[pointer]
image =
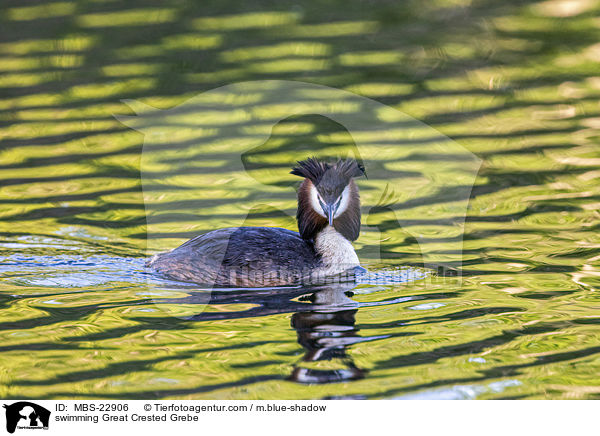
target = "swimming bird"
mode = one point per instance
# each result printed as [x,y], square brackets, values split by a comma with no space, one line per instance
[328,217]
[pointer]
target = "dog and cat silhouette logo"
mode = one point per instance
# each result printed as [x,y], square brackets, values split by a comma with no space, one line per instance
[26,415]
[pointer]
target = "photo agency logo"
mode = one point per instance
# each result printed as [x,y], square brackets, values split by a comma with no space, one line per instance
[25,415]
[222,159]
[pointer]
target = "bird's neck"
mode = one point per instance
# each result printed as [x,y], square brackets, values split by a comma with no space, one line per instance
[337,253]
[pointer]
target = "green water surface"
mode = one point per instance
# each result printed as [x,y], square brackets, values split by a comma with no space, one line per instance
[503,304]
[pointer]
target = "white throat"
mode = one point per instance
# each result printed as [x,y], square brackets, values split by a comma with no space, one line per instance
[337,253]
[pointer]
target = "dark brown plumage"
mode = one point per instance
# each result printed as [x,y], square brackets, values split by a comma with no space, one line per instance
[240,257]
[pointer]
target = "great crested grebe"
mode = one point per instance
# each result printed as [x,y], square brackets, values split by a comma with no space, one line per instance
[328,220]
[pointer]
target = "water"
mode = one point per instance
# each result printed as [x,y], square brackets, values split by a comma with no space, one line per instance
[102,326]
[503,304]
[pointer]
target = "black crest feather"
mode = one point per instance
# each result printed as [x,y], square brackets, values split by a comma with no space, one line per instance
[350,168]
[314,169]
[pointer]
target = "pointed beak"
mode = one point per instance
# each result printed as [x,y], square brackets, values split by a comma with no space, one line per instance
[330,211]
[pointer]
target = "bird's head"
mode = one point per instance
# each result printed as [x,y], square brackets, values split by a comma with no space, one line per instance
[329,196]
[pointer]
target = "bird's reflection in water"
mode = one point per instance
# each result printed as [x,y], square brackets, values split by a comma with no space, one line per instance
[324,319]
[326,331]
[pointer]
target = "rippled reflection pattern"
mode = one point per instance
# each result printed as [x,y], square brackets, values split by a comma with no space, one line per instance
[514,82]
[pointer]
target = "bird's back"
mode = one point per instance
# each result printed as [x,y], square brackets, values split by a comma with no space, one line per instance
[240,257]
